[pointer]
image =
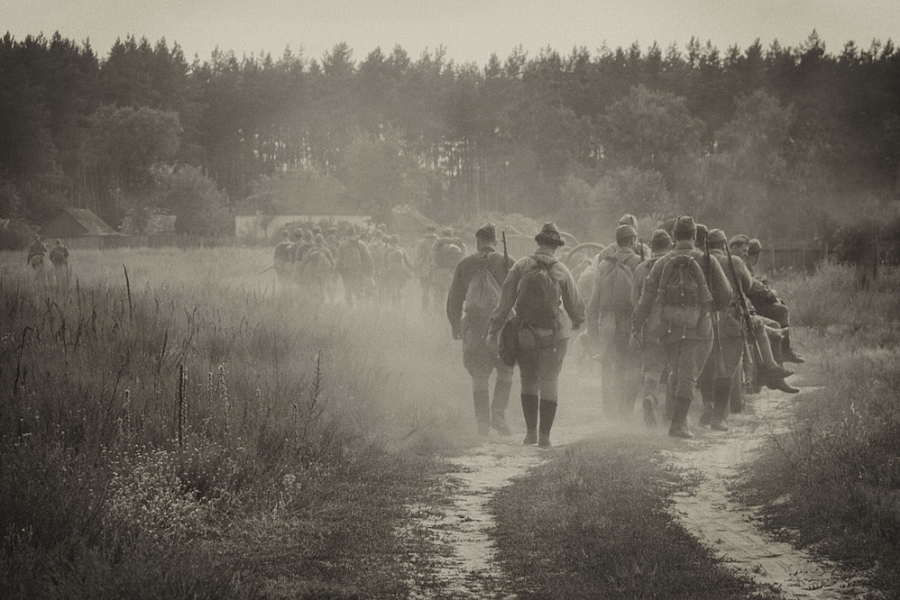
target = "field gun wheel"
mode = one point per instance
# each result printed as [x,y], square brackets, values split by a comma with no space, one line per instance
[582,247]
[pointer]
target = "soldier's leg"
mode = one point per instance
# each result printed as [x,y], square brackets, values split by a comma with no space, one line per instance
[500,401]
[549,367]
[609,377]
[479,367]
[528,376]
[736,395]
[732,348]
[688,357]
[706,386]
[653,361]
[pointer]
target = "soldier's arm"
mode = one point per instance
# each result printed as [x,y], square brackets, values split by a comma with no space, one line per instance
[593,306]
[508,294]
[571,301]
[456,298]
[648,296]
[720,287]
[640,275]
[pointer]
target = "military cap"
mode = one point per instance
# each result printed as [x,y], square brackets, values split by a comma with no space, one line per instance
[549,236]
[447,232]
[739,240]
[624,232]
[488,231]
[755,247]
[394,239]
[716,236]
[627,219]
[661,240]
[685,224]
[318,240]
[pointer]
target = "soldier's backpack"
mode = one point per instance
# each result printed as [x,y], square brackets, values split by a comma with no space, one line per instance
[395,265]
[538,295]
[284,251]
[350,257]
[446,254]
[483,293]
[317,264]
[683,292]
[616,283]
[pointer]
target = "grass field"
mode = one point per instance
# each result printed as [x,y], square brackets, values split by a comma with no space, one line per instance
[833,483]
[174,424]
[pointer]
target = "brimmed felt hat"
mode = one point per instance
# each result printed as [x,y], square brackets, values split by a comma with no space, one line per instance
[549,236]
[447,232]
[755,247]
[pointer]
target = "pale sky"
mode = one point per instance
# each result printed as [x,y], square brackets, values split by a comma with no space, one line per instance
[469,30]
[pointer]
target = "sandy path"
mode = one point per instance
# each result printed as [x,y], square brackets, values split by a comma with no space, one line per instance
[467,567]
[709,513]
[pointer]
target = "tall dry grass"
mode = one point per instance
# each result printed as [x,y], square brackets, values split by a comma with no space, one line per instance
[163,396]
[837,473]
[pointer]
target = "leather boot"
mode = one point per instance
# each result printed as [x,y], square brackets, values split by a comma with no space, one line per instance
[778,383]
[649,406]
[679,428]
[482,411]
[787,353]
[548,413]
[498,407]
[530,411]
[722,392]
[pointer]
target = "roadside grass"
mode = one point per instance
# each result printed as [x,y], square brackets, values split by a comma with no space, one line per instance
[593,523]
[832,484]
[196,430]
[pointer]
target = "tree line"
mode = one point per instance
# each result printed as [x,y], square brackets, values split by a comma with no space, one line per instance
[778,140]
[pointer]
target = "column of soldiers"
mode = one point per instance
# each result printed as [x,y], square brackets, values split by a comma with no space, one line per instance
[679,313]
[367,268]
[59,260]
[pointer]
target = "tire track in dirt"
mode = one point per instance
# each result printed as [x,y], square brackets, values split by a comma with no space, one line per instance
[709,513]
[467,567]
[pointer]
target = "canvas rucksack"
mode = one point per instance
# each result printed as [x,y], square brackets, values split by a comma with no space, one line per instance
[350,256]
[682,291]
[616,283]
[283,251]
[483,293]
[538,295]
[317,262]
[447,254]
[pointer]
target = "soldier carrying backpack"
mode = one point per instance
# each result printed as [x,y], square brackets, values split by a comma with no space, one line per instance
[548,308]
[446,252]
[609,325]
[474,294]
[678,288]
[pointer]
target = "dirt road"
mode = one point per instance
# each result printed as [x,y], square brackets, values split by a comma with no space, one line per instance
[467,569]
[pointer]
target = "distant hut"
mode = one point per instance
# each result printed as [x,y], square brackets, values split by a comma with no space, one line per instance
[409,223]
[75,222]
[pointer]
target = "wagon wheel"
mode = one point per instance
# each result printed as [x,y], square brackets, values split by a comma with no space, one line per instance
[570,239]
[583,246]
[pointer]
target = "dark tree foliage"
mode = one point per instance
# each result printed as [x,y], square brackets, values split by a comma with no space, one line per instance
[773,139]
